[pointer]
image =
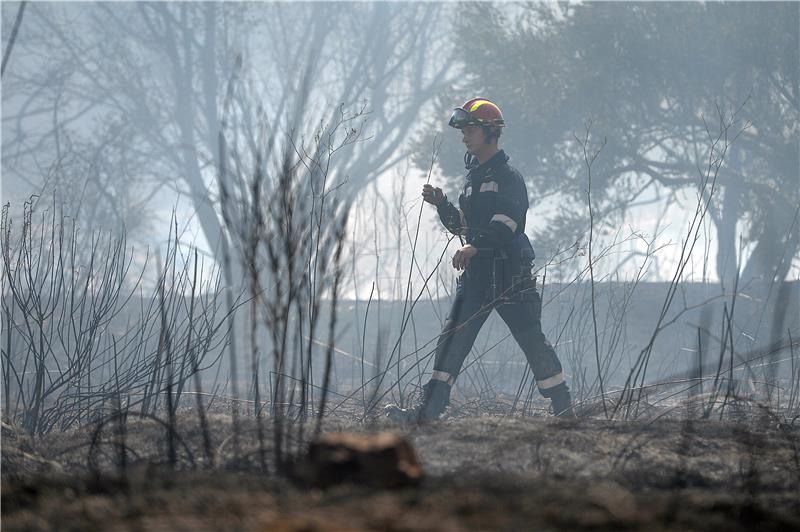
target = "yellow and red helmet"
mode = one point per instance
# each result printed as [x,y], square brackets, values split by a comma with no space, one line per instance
[477,111]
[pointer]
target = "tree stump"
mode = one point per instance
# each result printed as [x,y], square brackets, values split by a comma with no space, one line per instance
[382,460]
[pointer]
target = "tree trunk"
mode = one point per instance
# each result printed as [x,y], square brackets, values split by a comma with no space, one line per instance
[772,256]
[727,262]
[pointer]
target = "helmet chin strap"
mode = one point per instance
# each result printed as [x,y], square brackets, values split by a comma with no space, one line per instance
[470,161]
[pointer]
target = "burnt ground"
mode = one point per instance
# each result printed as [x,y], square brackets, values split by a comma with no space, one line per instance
[480,473]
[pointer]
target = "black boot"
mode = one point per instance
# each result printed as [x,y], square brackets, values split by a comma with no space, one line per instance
[561,400]
[435,397]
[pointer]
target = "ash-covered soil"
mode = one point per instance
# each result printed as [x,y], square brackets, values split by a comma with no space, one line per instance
[480,473]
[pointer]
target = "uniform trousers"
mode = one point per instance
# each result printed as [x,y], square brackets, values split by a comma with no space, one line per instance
[511,291]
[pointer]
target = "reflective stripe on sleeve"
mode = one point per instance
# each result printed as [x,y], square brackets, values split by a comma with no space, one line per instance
[503,219]
[443,376]
[491,186]
[550,382]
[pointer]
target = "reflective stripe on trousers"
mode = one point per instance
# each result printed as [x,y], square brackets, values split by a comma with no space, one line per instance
[520,309]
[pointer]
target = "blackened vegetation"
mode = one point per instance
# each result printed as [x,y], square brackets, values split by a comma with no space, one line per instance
[98,430]
[286,219]
[80,342]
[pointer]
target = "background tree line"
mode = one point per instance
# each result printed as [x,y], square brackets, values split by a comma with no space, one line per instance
[646,76]
[258,116]
[121,103]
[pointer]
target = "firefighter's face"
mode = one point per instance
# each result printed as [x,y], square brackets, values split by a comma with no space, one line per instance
[473,138]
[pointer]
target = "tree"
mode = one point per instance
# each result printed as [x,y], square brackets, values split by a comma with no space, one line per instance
[647,75]
[161,69]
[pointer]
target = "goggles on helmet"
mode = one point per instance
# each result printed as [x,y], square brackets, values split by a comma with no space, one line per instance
[460,118]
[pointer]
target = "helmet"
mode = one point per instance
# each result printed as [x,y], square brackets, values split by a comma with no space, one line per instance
[479,112]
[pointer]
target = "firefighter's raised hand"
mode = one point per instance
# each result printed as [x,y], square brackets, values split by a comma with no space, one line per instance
[462,256]
[432,195]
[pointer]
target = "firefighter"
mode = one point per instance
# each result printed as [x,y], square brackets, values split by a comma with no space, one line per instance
[496,260]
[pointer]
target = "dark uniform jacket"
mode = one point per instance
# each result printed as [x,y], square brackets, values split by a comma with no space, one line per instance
[491,216]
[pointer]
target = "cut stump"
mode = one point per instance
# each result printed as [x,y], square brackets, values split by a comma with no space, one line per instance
[382,460]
